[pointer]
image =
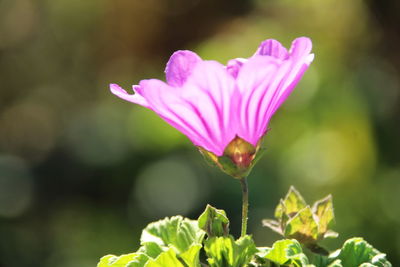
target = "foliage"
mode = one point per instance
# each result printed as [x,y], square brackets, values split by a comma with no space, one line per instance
[179,241]
[295,219]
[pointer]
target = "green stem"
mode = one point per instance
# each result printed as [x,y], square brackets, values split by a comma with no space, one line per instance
[245,205]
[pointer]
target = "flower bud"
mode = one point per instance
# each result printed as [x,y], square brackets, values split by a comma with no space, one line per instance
[238,159]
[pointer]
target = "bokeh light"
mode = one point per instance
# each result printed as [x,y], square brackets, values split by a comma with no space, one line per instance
[161,187]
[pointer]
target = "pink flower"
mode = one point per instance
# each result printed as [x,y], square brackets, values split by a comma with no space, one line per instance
[213,104]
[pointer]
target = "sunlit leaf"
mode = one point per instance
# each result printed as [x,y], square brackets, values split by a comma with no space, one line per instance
[175,232]
[302,227]
[191,256]
[117,261]
[293,202]
[225,251]
[167,258]
[151,249]
[280,209]
[287,252]
[214,222]
[139,261]
[357,251]
[323,209]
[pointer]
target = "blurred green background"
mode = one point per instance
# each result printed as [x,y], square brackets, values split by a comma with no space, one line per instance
[82,172]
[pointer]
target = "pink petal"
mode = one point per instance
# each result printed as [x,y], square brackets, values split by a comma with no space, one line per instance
[180,66]
[257,81]
[135,98]
[234,66]
[266,81]
[272,48]
[201,109]
[301,47]
[211,89]
[300,58]
[166,102]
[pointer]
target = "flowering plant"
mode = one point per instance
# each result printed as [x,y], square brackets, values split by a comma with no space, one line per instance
[225,112]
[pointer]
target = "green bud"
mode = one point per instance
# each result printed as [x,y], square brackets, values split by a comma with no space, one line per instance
[238,159]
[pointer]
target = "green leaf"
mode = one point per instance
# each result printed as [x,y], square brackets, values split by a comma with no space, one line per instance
[151,249]
[245,250]
[293,202]
[280,209]
[167,258]
[357,251]
[214,222]
[139,261]
[285,252]
[174,232]
[117,261]
[323,209]
[302,227]
[191,256]
[225,251]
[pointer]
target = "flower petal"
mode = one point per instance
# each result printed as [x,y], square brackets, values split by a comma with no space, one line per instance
[180,66]
[300,58]
[301,47]
[166,102]
[257,82]
[212,92]
[135,98]
[266,81]
[272,48]
[201,109]
[234,66]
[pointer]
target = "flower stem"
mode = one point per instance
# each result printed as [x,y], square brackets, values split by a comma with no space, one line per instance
[245,205]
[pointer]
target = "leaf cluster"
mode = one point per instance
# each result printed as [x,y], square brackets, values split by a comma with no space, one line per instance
[295,219]
[182,242]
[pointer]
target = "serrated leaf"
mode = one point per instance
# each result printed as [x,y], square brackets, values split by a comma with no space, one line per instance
[117,261]
[293,202]
[167,258]
[357,251]
[225,251]
[175,232]
[302,227]
[323,209]
[214,222]
[287,252]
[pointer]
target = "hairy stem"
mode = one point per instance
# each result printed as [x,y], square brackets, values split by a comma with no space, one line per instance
[245,205]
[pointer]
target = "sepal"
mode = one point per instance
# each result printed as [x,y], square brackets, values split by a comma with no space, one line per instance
[238,159]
